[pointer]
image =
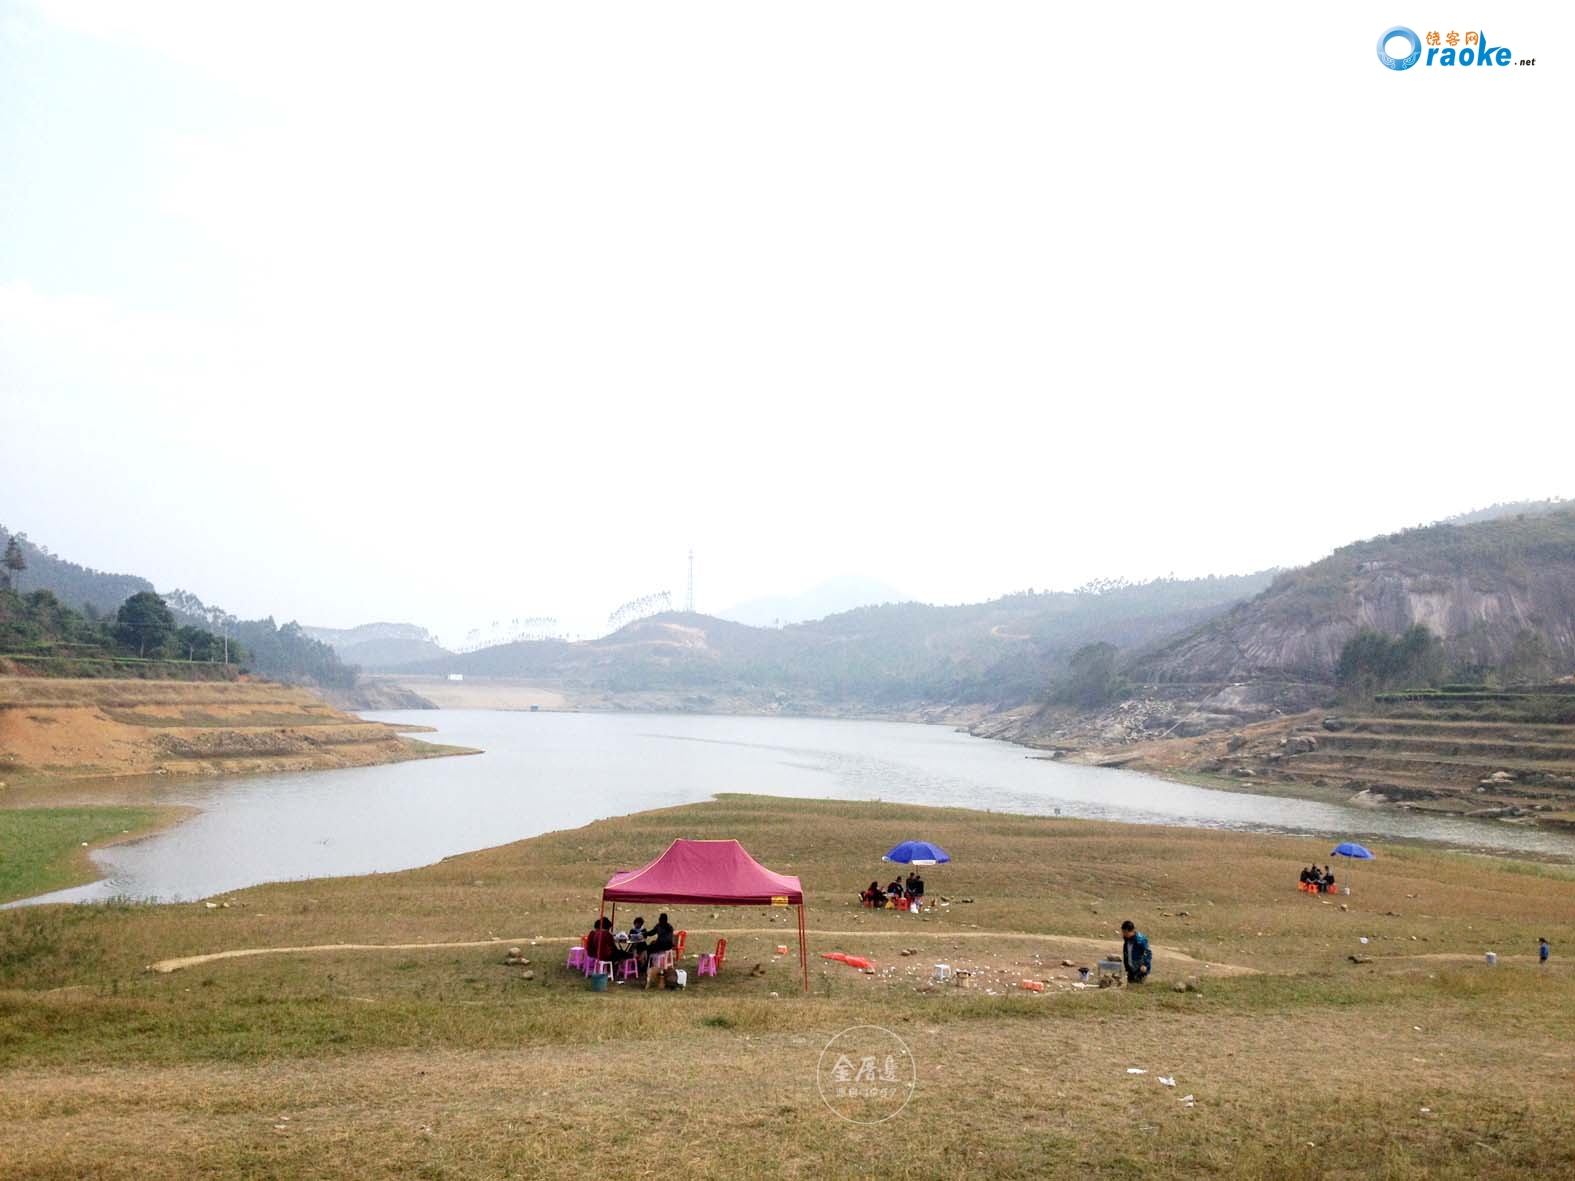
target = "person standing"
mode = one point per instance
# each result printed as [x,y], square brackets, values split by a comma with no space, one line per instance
[1136,957]
[1542,951]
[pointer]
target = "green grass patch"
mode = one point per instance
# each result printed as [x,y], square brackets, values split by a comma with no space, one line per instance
[41,849]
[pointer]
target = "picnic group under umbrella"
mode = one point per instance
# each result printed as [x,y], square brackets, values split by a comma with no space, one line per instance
[908,893]
[1316,881]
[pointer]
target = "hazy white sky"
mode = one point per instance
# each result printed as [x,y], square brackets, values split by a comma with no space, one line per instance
[450,313]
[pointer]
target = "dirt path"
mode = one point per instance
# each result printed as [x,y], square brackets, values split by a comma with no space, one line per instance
[1085,948]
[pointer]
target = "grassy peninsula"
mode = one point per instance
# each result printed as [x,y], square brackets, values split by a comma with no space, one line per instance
[45,849]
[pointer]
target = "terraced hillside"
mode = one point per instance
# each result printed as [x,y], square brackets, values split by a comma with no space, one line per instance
[62,729]
[1507,754]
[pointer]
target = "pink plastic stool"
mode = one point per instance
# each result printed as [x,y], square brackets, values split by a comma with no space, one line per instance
[707,965]
[629,969]
[576,958]
[594,966]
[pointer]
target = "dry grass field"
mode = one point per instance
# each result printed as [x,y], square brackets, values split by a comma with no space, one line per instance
[441,1061]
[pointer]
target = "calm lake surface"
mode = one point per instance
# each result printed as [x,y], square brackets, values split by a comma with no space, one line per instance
[547,771]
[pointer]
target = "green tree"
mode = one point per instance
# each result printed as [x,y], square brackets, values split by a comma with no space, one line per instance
[1371,661]
[1528,660]
[15,563]
[1093,681]
[144,623]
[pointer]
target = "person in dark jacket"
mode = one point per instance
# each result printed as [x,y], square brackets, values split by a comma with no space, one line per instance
[1136,957]
[661,937]
[636,941]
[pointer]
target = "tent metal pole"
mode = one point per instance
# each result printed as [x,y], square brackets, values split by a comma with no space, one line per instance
[803,947]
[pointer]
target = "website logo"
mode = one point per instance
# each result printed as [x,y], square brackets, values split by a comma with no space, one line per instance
[1400,63]
[1445,49]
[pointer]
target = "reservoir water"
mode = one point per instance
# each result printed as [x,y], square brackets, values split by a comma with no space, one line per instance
[547,771]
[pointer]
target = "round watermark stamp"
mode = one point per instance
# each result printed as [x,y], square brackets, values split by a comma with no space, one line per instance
[866,1074]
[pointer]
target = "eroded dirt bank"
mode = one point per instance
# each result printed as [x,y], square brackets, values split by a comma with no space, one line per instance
[61,731]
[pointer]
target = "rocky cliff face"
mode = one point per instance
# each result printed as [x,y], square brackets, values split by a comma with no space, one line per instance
[1478,587]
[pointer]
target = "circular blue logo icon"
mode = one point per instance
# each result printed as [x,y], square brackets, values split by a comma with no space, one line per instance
[1400,63]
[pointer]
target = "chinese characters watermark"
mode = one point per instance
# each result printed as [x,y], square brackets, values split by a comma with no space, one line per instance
[866,1074]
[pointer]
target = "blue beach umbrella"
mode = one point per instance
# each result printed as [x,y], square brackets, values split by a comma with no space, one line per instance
[1352,850]
[917,853]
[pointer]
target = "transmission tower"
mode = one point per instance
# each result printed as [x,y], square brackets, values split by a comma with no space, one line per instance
[689,597]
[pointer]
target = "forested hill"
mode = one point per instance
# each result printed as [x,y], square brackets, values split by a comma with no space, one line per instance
[32,622]
[79,587]
[1499,594]
[281,653]
[1009,649]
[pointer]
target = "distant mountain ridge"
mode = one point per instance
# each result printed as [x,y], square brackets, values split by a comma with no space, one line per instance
[835,595]
[1512,508]
[1482,588]
[380,645]
[1008,649]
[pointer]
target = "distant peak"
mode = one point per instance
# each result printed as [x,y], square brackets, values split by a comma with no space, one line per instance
[843,592]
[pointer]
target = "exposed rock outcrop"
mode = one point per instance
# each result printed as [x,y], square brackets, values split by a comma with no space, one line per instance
[1480,588]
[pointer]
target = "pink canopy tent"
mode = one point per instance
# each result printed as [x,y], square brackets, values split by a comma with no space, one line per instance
[709,873]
